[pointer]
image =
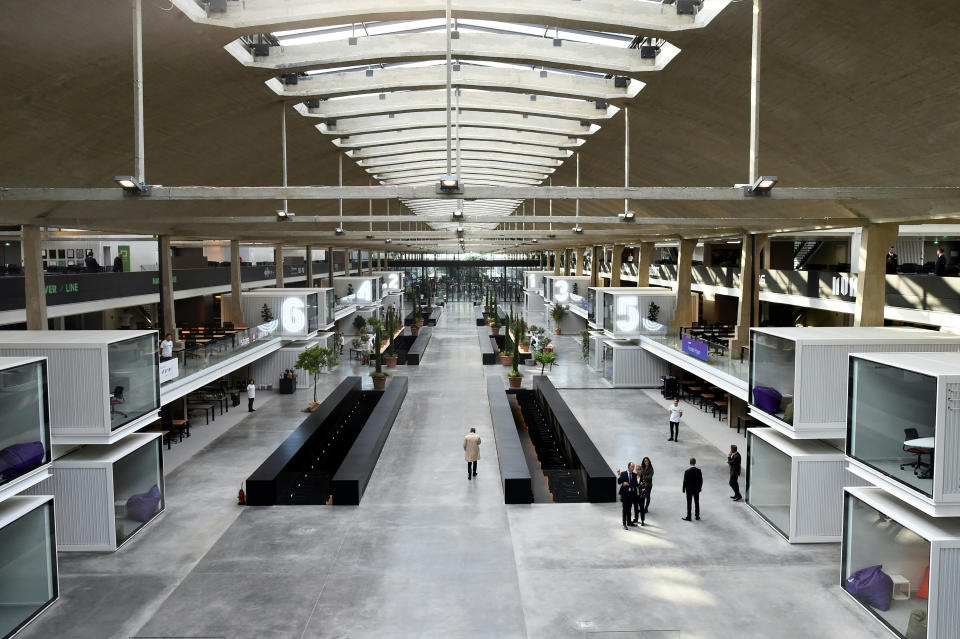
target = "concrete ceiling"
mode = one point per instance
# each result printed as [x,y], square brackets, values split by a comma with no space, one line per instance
[852,94]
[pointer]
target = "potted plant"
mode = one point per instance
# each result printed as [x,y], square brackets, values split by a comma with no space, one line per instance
[585,343]
[378,376]
[515,377]
[544,358]
[653,312]
[417,317]
[494,325]
[313,360]
[391,355]
[557,313]
[266,314]
[360,324]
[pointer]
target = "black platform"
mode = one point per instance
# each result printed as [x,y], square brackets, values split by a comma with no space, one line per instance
[600,482]
[487,351]
[351,480]
[419,346]
[514,472]
[434,316]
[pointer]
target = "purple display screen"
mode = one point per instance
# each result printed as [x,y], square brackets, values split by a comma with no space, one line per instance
[698,349]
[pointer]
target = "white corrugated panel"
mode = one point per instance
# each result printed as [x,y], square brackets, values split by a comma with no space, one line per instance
[949,460]
[635,367]
[82,513]
[819,507]
[948,594]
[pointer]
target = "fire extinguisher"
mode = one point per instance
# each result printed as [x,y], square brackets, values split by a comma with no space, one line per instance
[241,498]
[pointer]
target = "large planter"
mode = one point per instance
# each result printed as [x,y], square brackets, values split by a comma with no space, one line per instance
[420,322]
[414,330]
[494,330]
[558,331]
[515,381]
[379,383]
[391,362]
[506,360]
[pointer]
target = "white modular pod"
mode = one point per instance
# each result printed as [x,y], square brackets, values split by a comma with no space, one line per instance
[28,561]
[796,485]
[533,303]
[625,313]
[903,428]
[901,565]
[392,281]
[595,352]
[105,494]
[272,366]
[568,290]
[357,289]
[798,375]
[25,427]
[627,365]
[282,312]
[532,280]
[102,385]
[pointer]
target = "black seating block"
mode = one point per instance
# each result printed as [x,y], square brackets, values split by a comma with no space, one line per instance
[514,472]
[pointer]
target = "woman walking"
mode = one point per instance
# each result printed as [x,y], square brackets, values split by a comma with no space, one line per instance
[646,476]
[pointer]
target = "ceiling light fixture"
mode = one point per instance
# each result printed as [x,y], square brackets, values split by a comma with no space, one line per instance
[338,230]
[284,215]
[762,186]
[130,185]
[577,229]
[449,184]
[627,216]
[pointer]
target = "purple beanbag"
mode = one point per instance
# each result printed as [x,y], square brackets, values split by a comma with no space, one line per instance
[144,506]
[17,459]
[766,399]
[871,586]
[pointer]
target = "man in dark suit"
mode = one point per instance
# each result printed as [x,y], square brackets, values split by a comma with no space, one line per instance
[628,489]
[892,262]
[733,460]
[692,484]
[940,266]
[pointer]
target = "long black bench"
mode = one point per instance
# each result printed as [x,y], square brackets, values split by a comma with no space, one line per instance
[487,352]
[434,317]
[419,346]
[600,481]
[478,313]
[269,484]
[514,473]
[351,480]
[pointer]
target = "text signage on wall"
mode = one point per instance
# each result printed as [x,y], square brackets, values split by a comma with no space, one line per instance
[169,369]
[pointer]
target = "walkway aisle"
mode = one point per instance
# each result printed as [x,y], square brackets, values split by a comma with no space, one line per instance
[426,554]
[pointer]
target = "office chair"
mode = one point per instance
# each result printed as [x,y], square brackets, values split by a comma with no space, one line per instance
[908,434]
[116,400]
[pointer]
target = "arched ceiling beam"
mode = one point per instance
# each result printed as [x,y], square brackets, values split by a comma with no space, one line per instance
[465,133]
[477,176]
[603,15]
[497,47]
[438,170]
[466,146]
[490,119]
[325,85]
[432,100]
[520,161]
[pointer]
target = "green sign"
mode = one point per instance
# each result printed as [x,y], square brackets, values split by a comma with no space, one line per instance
[64,287]
[124,252]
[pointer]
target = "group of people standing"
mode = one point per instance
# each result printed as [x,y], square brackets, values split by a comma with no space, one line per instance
[636,484]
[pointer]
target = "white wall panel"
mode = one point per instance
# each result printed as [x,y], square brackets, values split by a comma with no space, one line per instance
[947,615]
[949,460]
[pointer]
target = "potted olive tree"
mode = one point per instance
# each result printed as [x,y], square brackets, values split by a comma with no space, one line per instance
[378,376]
[544,358]
[313,360]
[391,321]
[558,312]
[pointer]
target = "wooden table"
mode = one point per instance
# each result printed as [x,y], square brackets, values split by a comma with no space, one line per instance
[205,406]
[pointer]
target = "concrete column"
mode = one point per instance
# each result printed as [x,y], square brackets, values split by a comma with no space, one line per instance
[330,266]
[876,239]
[35,290]
[359,261]
[566,261]
[166,287]
[235,311]
[595,266]
[685,312]
[556,262]
[748,310]
[581,254]
[379,261]
[386,260]
[309,259]
[644,258]
[369,262]
[278,263]
[616,265]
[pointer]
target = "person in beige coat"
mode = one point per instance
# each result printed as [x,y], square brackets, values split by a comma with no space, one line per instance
[471,452]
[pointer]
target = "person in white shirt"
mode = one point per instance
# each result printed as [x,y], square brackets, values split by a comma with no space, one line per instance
[675,414]
[166,347]
[251,394]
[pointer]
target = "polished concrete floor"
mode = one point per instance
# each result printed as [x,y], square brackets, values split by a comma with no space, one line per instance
[430,554]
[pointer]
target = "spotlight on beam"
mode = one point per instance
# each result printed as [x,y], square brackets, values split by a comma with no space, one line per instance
[387,241]
[130,185]
[577,229]
[284,216]
[339,230]
[627,216]
[762,186]
[457,215]
[449,184]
